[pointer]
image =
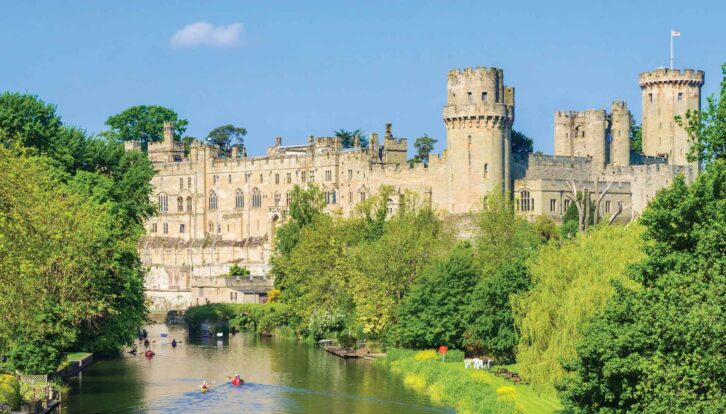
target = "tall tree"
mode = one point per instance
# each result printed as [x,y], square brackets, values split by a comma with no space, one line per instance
[144,123]
[424,145]
[347,138]
[226,136]
[636,138]
[521,144]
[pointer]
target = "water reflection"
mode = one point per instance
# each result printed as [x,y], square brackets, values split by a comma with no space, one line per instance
[281,376]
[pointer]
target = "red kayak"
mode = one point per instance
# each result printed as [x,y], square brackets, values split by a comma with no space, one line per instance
[149,354]
[237,382]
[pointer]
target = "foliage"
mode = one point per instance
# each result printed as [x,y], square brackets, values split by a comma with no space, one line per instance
[236,270]
[322,321]
[226,136]
[9,391]
[446,383]
[36,356]
[489,321]
[707,128]
[273,295]
[661,348]
[347,341]
[188,141]
[432,313]
[144,123]
[426,355]
[521,144]
[454,355]
[424,145]
[571,219]
[571,282]
[636,138]
[347,138]
[546,228]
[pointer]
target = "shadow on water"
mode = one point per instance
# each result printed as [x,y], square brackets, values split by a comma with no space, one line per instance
[282,376]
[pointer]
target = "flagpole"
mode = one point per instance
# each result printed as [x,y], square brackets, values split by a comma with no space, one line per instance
[671,49]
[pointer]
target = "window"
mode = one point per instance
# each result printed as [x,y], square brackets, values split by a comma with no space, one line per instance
[163,203]
[362,196]
[312,176]
[327,197]
[212,200]
[486,169]
[181,183]
[166,228]
[189,182]
[567,205]
[277,178]
[231,296]
[526,203]
[261,179]
[211,227]
[350,175]
[553,204]
[328,175]
[247,177]
[180,204]
[239,199]
[289,178]
[215,179]
[302,176]
[620,206]
[335,197]
[350,197]
[189,204]
[181,229]
[607,206]
[650,97]
[468,97]
[256,198]
[277,199]
[288,198]
[154,228]
[484,96]
[229,178]
[680,96]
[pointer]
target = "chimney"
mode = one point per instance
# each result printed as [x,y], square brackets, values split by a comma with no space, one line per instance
[278,141]
[388,131]
[168,132]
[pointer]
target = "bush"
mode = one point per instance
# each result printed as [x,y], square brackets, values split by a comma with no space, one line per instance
[322,322]
[454,355]
[426,355]
[273,296]
[347,341]
[35,356]
[236,270]
[9,391]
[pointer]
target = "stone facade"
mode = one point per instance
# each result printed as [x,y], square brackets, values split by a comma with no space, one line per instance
[216,211]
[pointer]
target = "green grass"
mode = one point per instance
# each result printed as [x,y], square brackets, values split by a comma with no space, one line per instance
[76,356]
[469,390]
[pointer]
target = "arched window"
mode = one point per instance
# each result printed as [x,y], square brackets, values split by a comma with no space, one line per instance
[256,198]
[239,199]
[335,197]
[211,227]
[288,197]
[180,204]
[163,202]
[526,203]
[189,204]
[212,200]
[277,199]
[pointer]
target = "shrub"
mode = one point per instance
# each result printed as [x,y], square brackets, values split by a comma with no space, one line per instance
[9,391]
[347,341]
[35,356]
[273,296]
[236,270]
[426,355]
[454,355]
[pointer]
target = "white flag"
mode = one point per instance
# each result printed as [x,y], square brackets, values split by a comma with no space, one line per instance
[674,33]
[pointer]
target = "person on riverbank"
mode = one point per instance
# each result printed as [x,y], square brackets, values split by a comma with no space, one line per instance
[173,343]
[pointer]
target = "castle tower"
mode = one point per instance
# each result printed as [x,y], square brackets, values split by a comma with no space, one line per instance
[478,116]
[620,134]
[667,93]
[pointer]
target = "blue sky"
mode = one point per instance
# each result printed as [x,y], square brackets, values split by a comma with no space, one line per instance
[299,68]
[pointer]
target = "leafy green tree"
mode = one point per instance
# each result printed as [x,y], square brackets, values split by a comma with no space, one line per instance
[432,313]
[571,282]
[424,145]
[660,347]
[347,138]
[144,123]
[226,136]
[489,321]
[521,144]
[707,128]
[636,138]
[187,141]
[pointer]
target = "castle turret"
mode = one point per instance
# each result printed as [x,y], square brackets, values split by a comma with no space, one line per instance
[478,117]
[666,94]
[620,134]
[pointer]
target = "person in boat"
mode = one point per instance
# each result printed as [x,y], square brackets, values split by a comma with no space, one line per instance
[146,343]
[236,380]
[149,353]
[204,387]
[173,343]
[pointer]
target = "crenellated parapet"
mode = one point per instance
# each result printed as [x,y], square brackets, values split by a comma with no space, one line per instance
[660,76]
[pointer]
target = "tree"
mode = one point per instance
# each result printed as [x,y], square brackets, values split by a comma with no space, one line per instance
[347,138]
[521,144]
[636,138]
[432,314]
[489,321]
[226,136]
[144,123]
[707,128]
[424,145]
[187,141]
[571,282]
[660,347]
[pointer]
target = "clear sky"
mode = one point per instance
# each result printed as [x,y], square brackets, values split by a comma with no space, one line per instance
[306,67]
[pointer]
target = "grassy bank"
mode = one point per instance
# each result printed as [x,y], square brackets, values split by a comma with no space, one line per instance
[468,391]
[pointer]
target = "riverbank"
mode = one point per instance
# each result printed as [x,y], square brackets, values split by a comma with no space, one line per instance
[467,390]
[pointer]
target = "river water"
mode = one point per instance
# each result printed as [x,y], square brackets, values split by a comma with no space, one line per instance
[281,376]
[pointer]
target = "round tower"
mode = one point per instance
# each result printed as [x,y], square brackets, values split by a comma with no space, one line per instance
[619,134]
[478,116]
[666,94]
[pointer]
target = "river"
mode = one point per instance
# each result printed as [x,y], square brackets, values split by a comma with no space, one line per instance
[281,375]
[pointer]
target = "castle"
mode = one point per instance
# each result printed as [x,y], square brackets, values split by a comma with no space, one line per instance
[216,210]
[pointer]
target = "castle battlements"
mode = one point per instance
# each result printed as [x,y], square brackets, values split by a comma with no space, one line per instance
[675,76]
